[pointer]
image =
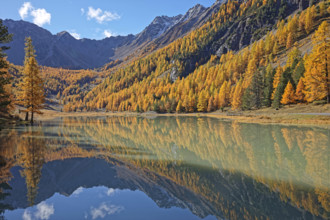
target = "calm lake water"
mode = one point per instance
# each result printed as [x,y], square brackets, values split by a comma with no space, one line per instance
[164,168]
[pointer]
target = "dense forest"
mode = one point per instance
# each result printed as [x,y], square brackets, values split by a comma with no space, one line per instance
[255,76]
[282,59]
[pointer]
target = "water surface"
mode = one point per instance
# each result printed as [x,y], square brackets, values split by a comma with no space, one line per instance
[164,168]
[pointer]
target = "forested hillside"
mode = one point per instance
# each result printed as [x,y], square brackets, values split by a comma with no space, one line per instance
[250,54]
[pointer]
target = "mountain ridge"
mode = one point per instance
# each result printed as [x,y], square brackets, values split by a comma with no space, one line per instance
[63,50]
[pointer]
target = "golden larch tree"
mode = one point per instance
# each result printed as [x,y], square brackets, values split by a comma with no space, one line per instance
[300,97]
[33,93]
[202,102]
[289,40]
[179,107]
[309,20]
[237,96]
[277,78]
[317,65]
[289,95]
[223,95]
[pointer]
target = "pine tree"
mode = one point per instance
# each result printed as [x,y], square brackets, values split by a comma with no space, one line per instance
[5,37]
[285,77]
[300,97]
[317,65]
[288,96]
[33,96]
[298,72]
[253,95]
[268,88]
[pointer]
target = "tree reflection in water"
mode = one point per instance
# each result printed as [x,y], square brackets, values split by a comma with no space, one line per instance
[238,171]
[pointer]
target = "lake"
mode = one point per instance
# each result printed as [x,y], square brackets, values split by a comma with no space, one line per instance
[164,168]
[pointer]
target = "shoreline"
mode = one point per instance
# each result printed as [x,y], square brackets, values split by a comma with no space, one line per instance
[295,115]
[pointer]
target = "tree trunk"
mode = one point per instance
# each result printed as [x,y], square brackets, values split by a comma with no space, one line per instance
[31,117]
[26,116]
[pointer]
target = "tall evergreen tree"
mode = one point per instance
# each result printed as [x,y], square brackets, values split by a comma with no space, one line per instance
[268,86]
[298,72]
[253,95]
[5,37]
[32,94]
[285,77]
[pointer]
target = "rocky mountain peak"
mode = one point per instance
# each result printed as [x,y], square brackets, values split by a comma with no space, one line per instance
[193,12]
[166,20]
[157,27]
[64,34]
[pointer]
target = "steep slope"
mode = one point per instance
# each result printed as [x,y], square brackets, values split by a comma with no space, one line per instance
[193,19]
[158,26]
[151,83]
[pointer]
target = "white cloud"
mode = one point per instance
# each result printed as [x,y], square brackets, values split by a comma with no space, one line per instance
[25,9]
[27,215]
[101,16]
[82,11]
[40,15]
[104,210]
[44,211]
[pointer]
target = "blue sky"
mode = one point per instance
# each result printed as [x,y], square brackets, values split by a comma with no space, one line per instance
[94,19]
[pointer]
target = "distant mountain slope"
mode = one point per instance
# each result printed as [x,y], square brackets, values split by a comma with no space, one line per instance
[62,50]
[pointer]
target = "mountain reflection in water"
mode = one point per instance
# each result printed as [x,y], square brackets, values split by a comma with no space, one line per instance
[164,168]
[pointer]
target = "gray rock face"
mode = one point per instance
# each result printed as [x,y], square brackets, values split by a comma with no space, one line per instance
[158,26]
[194,18]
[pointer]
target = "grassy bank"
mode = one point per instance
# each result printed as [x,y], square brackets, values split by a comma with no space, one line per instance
[295,114]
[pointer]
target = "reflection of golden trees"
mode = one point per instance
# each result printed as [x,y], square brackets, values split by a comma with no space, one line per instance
[287,159]
[31,153]
[7,153]
[7,161]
